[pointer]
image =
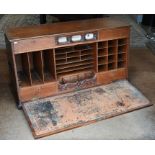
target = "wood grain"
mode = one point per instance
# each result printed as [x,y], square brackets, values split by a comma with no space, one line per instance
[56,114]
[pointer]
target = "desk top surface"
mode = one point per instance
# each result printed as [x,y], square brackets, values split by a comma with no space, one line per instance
[18,33]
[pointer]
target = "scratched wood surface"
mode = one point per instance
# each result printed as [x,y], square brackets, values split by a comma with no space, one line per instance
[63,112]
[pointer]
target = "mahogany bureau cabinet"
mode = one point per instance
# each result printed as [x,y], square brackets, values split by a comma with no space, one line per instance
[52,59]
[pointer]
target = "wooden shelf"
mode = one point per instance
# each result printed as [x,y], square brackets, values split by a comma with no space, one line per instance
[68,65]
[75,71]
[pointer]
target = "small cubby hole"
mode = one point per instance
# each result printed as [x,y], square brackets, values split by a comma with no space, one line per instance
[102,68]
[112,43]
[111,66]
[122,49]
[122,41]
[75,59]
[121,64]
[103,44]
[23,70]
[49,65]
[122,57]
[36,67]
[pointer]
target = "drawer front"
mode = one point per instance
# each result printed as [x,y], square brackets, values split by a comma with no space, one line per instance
[34,44]
[36,92]
[114,34]
[110,76]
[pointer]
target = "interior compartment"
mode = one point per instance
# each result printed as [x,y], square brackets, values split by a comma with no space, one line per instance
[61,62]
[111,50]
[23,69]
[122,41]
[122,49]
[102,45]
[73,54]
[76,71]
[111,66]
[86,52]
[63,50]
[36,67]
[102,68]
[102,60]
[122,57]
[49,66]
[75,64]
[112,43]
[111,58]
[74,59]
[83,47]
[121,64]
[102,52]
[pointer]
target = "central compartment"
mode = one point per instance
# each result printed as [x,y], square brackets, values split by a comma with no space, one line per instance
[74,59]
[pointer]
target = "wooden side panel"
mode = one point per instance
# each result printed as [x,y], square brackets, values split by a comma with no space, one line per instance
[38,91]
[12,70]
[110,76]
